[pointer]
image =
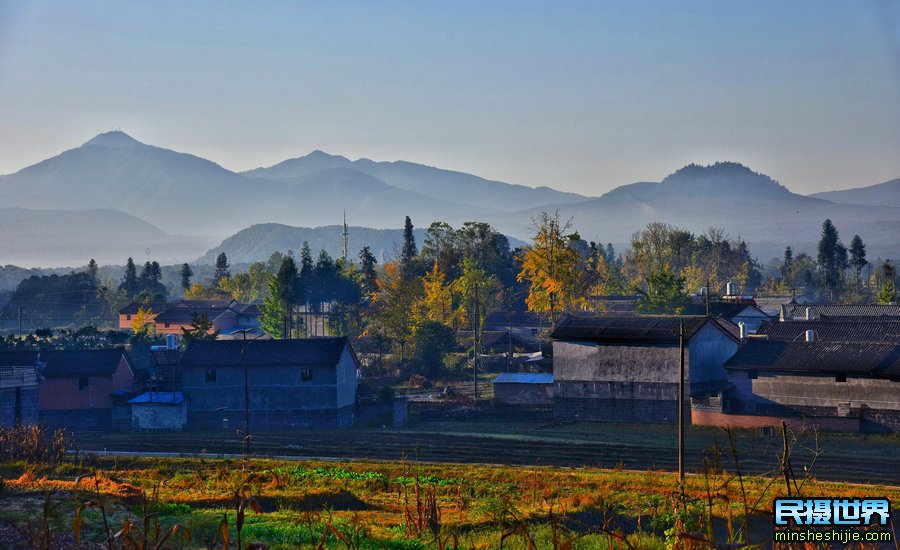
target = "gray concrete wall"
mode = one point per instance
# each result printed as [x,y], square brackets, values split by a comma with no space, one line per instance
[346,379]
[271,388]
[523,394]
[158,417]
[18,404]
[706,352]
[586,361]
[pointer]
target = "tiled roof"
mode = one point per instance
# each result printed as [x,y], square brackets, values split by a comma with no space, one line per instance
[86,362]
[722,309]
[789,311]
[848,329]
[202,304]
[523,378]
[159,398]
[311,351]
[18,358]
[629,329]
[132,308]
[876,359]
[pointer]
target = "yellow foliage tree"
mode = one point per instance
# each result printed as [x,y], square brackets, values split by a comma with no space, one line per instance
[436,303]
[142,324]
[551,266]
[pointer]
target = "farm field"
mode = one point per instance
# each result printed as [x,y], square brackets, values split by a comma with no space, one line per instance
[203,502]
[843,457]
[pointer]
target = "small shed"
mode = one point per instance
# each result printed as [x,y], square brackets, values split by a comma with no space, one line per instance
[523,389]
[159,410]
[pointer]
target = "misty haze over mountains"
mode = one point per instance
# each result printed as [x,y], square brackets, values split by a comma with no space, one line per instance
[124,197]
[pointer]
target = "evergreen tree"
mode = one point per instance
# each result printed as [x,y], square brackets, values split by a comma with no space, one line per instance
[787,266]
[130,282]
[222,269]
[832,259]
[888,293]
[274,313]
[92,270]
[186,274]
[201,328]
[858,257]
[610,254]
[305,275]
[409,251]
[367,270]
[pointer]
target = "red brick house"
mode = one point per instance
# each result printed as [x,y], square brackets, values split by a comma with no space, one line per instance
[225,316]
[81,388]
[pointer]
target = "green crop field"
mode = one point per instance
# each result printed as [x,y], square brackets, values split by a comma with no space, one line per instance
[62,501]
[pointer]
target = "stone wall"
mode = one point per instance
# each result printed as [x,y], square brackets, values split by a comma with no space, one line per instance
[154,416]
[523,394]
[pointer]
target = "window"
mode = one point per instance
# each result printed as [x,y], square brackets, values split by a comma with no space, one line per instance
[128,317]
[82,383]
[306,374]
[167,325]
[210,375]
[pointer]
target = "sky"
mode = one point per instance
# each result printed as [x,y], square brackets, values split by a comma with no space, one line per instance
[579,96]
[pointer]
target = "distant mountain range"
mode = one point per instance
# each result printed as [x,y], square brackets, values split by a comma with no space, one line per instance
[728,195]
[34,238]
[181,194]
[882,194]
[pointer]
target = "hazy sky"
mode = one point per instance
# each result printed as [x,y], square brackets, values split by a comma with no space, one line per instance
[581,96]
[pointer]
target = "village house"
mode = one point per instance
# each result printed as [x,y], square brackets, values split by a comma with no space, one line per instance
[228,317]
[85,389]
[832,373]
[18,388]
[626,368]
[308,383]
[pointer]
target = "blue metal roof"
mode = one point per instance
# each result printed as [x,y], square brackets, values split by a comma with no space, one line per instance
[523,378]
[160,398]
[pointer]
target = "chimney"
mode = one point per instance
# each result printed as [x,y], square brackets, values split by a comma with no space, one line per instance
[809,314]
[170,342]
[729,289]
[743,330]
[810,336]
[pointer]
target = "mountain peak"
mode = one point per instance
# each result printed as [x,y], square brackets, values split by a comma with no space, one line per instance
[116,138]
[724,178]
[318,154]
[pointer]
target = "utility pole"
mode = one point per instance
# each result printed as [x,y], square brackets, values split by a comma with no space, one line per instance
[681,406]
[707,297]
[21,313]
[346,235]
[246,399]
[476,342]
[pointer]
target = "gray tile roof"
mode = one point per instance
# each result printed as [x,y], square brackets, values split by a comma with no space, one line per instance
[630,329]
[873,359]
[792,311]
[848,329]
[80,363]
[311,351]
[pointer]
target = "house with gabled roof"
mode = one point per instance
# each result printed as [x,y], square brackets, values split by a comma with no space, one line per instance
[85,389]
[836,375]
[626,368]
[306,383]
[226,316]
